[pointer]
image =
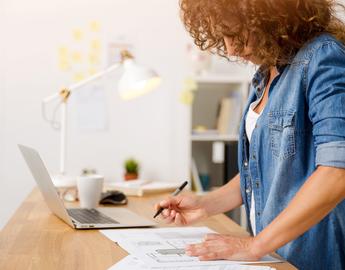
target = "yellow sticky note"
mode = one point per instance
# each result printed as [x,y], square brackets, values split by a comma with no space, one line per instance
[63,51]
[77,77]
[63,58]
[64,65]
[76,57]
[190,84]
[95,44]
[187,97]
[95,26]
[78,34]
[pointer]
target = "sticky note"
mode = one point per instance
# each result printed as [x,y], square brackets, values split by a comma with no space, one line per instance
[187,97]
[77,57]
[78,76]
[78,34]
[95,26]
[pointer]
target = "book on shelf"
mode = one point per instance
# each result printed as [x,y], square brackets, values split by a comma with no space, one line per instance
[229,115]
[142,187]
[196,182]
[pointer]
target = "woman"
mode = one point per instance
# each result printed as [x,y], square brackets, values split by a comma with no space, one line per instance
[292,137]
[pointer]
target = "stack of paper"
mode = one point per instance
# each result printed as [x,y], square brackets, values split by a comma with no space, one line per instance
[133,263]
[142,187]
[163,249]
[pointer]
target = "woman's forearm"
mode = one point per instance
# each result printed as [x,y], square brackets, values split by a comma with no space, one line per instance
[324,189]
[225,198]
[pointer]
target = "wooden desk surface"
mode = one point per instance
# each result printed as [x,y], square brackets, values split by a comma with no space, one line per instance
[36,239]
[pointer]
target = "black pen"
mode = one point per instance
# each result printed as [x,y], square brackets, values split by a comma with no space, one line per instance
[176,192]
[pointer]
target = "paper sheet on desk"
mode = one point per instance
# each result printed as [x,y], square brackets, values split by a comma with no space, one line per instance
[165,246]
[133,263]
[142,187]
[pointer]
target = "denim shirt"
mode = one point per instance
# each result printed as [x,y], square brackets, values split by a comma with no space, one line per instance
[301,127]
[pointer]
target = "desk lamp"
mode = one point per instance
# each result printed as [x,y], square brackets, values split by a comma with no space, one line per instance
[134,82]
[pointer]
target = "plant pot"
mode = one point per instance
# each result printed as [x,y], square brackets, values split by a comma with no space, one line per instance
[131,176]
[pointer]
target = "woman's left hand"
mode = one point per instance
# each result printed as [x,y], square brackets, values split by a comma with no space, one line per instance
[227,247]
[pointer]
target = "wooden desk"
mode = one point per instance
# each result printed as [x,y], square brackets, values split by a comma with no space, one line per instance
[36,239]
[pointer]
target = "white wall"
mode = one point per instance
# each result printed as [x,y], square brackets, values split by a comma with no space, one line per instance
[154,128]
[342,13]
[144,128]
[3,212]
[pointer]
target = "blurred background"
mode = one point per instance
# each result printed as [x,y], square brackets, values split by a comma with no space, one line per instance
[47,45]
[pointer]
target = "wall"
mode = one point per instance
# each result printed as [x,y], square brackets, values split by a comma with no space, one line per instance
[3,212]
[144,128]
[153,128]
[342,13]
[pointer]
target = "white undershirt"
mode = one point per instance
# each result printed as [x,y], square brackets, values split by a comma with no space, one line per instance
[251,119]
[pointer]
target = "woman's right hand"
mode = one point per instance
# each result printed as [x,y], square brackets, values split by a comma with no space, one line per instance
[183,209]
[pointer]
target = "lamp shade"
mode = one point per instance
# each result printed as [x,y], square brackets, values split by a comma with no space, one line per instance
[136,80]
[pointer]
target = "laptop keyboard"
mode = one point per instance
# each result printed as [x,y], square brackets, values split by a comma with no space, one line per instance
[89,216]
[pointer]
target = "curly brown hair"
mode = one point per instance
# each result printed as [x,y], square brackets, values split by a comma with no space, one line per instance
[279,28]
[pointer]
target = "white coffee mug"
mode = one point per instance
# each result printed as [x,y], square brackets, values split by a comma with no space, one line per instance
[89,190]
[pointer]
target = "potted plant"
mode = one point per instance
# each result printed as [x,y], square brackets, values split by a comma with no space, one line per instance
[132,169]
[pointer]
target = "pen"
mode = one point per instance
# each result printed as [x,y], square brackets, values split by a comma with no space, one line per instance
[176,192]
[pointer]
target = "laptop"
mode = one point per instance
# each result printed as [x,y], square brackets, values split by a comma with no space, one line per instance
[78,218]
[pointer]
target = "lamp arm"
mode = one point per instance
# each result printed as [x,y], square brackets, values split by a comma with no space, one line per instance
[63,96]
[80,84]
[94,77]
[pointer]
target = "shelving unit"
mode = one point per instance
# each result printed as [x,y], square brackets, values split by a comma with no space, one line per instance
[204,112]
[213,138]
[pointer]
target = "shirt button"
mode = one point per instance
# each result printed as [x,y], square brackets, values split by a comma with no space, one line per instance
[254,157]
[245,164]
[257,184]
[248,190]
[258,213]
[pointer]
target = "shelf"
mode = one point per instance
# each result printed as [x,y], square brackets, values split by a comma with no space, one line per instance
[222,79]
[213,137]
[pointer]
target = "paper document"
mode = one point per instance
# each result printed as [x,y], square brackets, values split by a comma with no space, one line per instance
[142,187]
[133,263]
[165,246]
[91,108]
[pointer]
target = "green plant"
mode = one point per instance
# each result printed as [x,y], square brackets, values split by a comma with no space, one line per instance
[131,166]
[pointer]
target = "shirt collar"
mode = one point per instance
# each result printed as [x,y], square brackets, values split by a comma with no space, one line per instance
[260,79]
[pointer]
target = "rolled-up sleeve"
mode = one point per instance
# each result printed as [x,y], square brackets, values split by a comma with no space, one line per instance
[331,154]
[325,92]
